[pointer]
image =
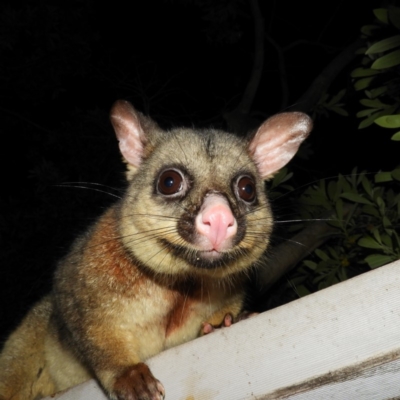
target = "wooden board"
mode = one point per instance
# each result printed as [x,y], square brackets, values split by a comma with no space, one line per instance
[340,343]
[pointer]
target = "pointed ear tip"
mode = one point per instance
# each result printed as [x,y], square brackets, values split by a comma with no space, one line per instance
[306,121]
[120,106]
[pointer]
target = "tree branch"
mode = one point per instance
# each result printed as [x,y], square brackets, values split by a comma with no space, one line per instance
[282,73]
[322,82]
[287,255]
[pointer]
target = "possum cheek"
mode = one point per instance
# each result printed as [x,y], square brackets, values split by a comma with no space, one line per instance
[138,383]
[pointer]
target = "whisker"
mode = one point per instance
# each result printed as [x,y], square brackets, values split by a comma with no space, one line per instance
[80,185]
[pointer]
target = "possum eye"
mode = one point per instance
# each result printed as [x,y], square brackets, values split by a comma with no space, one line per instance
[170,182]
[246,189]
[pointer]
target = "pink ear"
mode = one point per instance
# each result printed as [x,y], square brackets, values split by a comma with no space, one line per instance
[129,132]
[277,141]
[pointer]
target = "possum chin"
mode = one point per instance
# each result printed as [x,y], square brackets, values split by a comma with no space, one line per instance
[211,255]
[211,259]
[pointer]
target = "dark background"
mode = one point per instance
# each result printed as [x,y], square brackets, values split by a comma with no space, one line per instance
[63,65]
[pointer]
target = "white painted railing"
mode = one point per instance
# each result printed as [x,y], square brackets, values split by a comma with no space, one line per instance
[340,343]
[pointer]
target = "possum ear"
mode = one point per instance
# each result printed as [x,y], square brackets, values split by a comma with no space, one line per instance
[131,128]
[277,141]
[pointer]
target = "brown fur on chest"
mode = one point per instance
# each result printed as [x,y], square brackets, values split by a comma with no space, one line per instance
[110,277]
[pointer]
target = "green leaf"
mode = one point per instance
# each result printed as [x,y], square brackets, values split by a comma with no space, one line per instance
[280,177]
[339,110]
[316,200]
[383,177]
[373,93]
[363,72]
[356,198]
[384,45]
[388,121]
[394,16]
[302,291]
[382,15]
[396,242]
[369,29]
[343,184]
[324,98]
[367,112]
[369,243]
[335,99]
[322,255]
[386,239]
[396,174]
[374,103]
[371,210]
[381,204]
[363,83]
[370,120]
[361,51]
[339,210]
[367,186]
[335,223]
[365,123]
[386,222]
[310,264]
[342,273]
[332,190]
[377,235]
[387,61]
[377,260]
[333,253]
[396,136]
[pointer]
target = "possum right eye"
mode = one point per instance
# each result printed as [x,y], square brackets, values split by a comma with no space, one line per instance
[246,189]
[171,182]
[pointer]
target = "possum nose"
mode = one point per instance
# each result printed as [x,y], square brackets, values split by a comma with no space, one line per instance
[216,222]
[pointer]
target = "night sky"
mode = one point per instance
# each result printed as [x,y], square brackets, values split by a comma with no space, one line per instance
[63,66]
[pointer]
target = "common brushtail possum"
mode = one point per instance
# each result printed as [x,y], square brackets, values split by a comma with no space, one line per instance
[163,265]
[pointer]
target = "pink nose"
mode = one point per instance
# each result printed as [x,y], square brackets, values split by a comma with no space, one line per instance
[216,222]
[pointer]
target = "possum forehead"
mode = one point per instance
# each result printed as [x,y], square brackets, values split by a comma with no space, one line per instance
[206,152]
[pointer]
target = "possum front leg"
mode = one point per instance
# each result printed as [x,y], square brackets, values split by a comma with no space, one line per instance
[135,382]
[116,353]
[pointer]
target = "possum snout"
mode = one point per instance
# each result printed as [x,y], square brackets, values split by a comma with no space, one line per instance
[215,224]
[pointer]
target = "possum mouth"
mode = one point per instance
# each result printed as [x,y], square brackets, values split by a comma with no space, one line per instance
[210,259]
[206,259]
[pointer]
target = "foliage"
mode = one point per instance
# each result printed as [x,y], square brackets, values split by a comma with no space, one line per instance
[329,103]
[378,76]
[367,216]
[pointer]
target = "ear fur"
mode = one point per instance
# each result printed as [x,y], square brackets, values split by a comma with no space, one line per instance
[128,129]
[277,141]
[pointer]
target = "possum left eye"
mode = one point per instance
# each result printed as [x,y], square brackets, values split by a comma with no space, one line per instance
[170,182]
[246,189]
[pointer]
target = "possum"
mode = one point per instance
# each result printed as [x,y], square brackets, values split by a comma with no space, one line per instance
[166,263]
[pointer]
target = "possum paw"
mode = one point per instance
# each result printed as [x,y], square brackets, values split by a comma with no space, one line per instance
[208,327]
[226,322]
[138,383]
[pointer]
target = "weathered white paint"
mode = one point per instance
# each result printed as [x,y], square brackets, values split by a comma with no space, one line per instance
[340,343]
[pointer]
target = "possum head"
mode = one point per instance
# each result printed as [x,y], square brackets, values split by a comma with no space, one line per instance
[196,202]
